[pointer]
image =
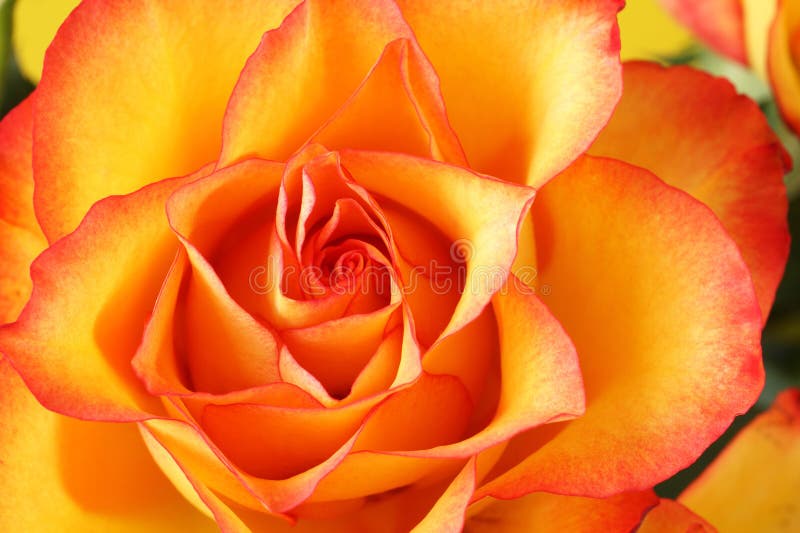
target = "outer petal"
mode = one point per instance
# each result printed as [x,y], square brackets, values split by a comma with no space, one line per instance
[35,25]
[752,485]
[303,72]
[783,54]
[93,291]
[119,106]
[520,113]
[719,23]
[62,474]
[670,516]
[21,238]
[661,309]
[543,512]
[721,151]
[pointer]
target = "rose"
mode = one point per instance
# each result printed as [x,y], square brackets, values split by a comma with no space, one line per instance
[759,34]
[609,242]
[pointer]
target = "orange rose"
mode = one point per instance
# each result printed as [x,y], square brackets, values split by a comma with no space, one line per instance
[763,34]
[331,317]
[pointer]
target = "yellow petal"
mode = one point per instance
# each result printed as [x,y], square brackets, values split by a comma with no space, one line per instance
[62,474]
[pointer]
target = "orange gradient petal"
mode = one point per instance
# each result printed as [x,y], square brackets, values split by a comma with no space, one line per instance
[752,484]
[397,108]
[723,152]
[21,237]
[336,351]
[226,348]
[540,378]
[478,211]
[92,293]
[209,465]
[303,72]
[63,474]
[520,113]
[277,442]
[661,309]
[555,513]
[718,23]
[119,104]
[432,411]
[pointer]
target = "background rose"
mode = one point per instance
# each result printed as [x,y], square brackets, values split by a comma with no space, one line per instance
[758,34]
[569,254]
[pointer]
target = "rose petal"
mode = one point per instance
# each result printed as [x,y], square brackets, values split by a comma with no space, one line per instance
[105,277]
[336,351]
[105,69]
[209,465]
[279,443]
[406,421]
[662,312]
[303,72]
[66,472]
[718,23]
[540,379]
[397,108]
[19,231]
[520,114]
[725,154]
[752,484]
[555,513]
[481,212]
[226,348]
[203,498]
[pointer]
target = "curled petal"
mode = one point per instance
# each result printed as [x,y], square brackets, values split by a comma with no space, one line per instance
[481,212]
[397,108]
[303,72]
